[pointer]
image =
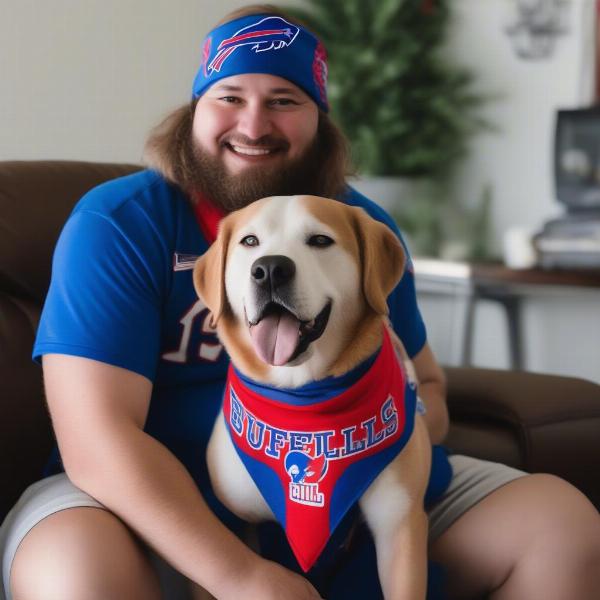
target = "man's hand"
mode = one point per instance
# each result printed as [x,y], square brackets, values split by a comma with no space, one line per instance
[269,581]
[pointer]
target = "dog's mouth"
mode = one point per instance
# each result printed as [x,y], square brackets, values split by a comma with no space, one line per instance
[279,337]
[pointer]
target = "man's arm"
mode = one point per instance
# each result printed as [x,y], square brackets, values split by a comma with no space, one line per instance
[431,386]
[432,391]
[98,412]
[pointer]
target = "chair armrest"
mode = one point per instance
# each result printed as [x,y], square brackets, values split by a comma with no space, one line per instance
[539,423]
[519,397]
[25,433]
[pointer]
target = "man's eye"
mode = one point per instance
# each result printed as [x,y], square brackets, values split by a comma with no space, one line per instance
[249,240]
[283,102]
[320,241]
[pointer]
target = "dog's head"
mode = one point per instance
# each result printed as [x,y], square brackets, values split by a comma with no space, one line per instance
[292,280]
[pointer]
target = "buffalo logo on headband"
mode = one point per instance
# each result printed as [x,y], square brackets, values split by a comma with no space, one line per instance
[270,33]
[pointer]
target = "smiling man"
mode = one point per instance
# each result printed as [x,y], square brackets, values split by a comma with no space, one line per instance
[134,373]
[255,120]
[254,134]
[257,127]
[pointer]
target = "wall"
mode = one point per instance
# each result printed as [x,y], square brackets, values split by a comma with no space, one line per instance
[87,79]
[517,158]
[560,329]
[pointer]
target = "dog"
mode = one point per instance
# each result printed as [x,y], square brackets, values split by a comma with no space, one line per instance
[297,288]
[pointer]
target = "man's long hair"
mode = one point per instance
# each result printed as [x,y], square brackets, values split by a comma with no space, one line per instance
[170,146]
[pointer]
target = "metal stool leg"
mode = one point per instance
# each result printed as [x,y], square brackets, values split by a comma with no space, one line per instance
[512,306]
[468,331]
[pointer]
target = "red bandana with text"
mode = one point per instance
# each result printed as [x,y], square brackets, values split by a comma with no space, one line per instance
[313,460]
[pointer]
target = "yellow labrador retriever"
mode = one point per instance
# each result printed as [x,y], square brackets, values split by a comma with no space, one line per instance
[297,288]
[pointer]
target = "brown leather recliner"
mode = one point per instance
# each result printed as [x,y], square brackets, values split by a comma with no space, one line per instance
[534,422]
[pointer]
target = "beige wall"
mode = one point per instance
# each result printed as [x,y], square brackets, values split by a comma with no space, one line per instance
[86,79]
[517,158]
[560,329]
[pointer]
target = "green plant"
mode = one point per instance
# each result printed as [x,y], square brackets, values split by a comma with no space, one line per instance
[405,108]
[447,229]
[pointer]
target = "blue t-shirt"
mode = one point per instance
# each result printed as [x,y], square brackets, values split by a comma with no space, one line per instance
[122,293]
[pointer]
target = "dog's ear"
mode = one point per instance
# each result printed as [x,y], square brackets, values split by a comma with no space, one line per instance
[209,272]
[382,260]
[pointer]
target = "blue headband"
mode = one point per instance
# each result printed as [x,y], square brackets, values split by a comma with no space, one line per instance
[264,44]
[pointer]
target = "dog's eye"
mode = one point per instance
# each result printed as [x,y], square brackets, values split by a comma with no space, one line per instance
[320,241]
[249,240]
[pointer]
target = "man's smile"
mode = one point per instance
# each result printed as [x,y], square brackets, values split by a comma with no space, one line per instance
[252,151]
[255,150]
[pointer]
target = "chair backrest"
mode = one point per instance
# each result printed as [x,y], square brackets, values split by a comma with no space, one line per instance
[36,198]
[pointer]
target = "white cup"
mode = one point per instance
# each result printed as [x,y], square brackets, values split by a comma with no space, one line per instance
[518,249]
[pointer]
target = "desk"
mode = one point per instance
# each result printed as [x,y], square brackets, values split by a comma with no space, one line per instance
[497,283]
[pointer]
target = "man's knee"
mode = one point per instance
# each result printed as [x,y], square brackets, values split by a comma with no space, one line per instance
[571,529]
[83,554]
[531,530]
[563,508]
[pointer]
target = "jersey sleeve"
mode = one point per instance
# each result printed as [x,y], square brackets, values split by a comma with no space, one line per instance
[104,300]
[405,315]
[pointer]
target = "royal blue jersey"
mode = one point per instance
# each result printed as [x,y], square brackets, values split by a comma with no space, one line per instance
[122,293]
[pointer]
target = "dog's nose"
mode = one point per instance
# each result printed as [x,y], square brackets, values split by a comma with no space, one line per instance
[273,271]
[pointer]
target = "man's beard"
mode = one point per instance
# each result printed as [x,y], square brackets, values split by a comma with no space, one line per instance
[233,191]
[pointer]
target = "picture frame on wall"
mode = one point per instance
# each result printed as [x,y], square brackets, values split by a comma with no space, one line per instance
[536,26]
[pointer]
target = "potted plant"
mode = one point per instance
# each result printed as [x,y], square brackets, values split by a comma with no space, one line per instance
[406,109]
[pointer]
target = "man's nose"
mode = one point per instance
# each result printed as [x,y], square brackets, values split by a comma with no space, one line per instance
[271,272]
[255,121]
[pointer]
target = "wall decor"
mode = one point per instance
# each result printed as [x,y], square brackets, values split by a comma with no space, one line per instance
[535,27]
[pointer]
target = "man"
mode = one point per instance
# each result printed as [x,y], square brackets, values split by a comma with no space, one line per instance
[133,371]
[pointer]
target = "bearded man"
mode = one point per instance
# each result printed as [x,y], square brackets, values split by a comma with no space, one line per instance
[134,372]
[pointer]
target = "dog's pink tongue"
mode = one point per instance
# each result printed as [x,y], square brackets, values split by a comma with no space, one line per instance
[275,338]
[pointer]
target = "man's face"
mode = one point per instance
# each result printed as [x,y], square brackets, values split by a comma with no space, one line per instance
[254,120]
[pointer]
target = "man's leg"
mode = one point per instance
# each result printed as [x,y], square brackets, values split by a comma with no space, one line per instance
[535,537]
[82,554]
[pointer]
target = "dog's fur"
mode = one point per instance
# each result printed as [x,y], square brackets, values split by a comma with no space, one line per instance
[354,274]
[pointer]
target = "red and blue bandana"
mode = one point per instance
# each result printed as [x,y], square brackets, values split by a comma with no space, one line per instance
[314,450]
[264,44]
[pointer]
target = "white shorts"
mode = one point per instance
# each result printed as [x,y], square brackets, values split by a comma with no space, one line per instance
[472,481]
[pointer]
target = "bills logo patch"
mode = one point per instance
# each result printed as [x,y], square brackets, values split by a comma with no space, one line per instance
[305,471]
[270,33]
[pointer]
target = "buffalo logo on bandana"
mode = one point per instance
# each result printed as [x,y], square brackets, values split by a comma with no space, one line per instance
[271,33]
[264,44]
[313,451]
